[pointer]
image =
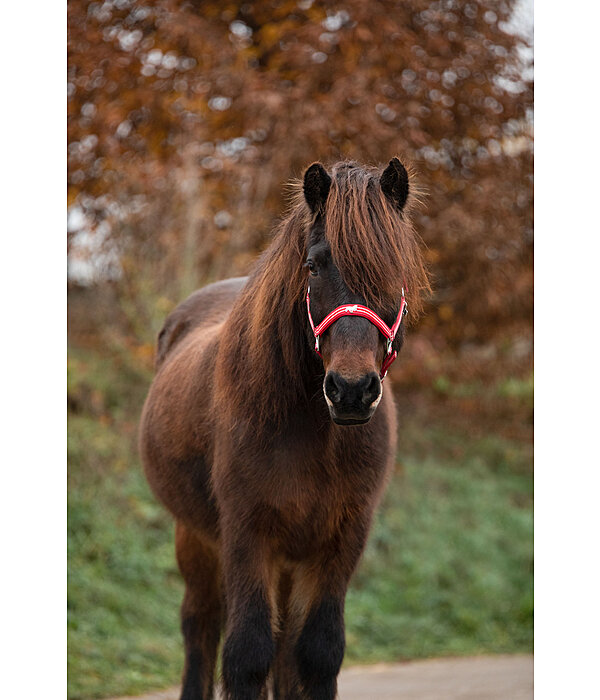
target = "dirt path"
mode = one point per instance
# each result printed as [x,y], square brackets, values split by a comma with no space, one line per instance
[469,678]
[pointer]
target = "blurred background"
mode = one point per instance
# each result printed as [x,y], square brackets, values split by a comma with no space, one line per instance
[185,121]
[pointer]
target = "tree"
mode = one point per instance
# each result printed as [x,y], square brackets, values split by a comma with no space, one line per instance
[185,118]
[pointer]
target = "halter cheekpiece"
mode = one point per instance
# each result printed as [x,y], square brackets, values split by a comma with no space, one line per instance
[370,315]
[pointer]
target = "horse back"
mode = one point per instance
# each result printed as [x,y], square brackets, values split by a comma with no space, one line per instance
[204,307]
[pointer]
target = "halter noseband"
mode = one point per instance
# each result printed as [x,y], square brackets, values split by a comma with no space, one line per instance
[365,312]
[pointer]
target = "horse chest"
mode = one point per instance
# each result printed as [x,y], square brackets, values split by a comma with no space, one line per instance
[306,511]
[302,533]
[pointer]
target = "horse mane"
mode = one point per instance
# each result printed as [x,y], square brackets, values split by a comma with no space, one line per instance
[377,252]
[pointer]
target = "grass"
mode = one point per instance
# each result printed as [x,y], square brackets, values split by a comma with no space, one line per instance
[448,568]
[449,565]
[124,588]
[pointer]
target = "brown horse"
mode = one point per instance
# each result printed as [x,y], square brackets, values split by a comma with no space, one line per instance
[245,434]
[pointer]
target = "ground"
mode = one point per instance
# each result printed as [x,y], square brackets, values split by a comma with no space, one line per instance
[506,677]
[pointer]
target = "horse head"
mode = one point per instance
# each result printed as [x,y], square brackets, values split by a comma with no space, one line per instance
[351,254]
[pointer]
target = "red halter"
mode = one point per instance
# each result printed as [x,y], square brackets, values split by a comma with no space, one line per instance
[365,312]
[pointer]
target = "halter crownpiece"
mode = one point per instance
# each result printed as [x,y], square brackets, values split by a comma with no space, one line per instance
[370,315]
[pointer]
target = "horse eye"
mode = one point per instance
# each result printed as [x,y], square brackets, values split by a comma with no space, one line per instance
[312,268]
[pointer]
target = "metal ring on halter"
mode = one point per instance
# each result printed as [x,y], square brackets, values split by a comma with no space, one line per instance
[317,347]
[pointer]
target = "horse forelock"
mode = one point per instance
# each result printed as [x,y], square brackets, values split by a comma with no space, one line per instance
[373,244]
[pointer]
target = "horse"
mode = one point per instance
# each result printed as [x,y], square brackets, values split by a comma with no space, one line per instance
[268,435]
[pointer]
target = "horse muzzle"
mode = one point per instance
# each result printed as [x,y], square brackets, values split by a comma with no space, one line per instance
[352,401]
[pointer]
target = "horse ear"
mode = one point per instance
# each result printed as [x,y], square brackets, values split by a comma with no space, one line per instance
[316,186]
[394,183]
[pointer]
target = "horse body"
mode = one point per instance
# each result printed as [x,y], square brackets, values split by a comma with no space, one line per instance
[273,498]
[177,444]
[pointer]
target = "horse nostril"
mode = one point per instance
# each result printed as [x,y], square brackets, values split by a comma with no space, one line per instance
[334,387]
[372,389]
[355,395]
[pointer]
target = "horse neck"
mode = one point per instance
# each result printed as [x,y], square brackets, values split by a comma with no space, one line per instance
[270,367]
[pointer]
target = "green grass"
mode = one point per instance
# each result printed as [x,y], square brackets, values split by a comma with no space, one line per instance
[124,588]
[449,565]
[448,568]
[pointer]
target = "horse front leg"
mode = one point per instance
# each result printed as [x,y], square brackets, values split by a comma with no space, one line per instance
[320,647]
[319,597]
[286,684]
[249,643]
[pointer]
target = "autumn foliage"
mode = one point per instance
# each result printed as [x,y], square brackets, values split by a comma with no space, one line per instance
[186,119]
